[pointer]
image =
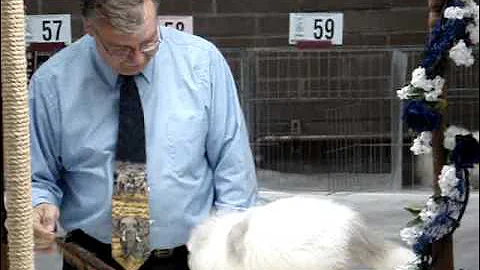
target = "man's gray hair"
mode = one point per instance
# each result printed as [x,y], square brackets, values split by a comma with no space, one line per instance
[125,15]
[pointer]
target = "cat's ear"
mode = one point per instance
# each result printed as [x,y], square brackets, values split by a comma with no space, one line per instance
[236,240]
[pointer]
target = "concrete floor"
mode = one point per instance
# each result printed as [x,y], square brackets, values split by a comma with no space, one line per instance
[384,212]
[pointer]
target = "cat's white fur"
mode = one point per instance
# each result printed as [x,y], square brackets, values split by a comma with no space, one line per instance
[298,233]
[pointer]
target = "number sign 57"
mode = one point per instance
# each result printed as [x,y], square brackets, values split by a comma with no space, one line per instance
[51,29]
[48,28]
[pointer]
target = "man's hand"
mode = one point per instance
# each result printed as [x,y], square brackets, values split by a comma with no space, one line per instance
[45,217]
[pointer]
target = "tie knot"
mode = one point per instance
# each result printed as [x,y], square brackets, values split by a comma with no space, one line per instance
[126,78]
[128,86]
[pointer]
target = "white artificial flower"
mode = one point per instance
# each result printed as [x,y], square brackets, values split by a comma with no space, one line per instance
[409,266]
[471,10]
[455,13]
[419,79]
[427,216]
[418,73]
[433,95]
[438,83]
[475,12]
[472,29]
[413,265]
[411,234]
[432,205]
[449,136]
[448,173]
[448,181]
[461,54]
[426,137]
[422,144]
[475,135]
[404,92]
[430,211]
[435,92]
[417,148]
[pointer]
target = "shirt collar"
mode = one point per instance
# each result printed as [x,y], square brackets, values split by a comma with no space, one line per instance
[104,70]
[148,70]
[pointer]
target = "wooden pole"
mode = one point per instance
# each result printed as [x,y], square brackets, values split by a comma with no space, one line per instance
[442,250]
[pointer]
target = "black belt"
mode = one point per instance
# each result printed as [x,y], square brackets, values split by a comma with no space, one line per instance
[93,245]
[166,253]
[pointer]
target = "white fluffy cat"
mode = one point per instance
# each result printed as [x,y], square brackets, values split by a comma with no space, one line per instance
[295,233]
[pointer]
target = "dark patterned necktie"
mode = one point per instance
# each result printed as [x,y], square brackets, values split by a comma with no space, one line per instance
[130,214]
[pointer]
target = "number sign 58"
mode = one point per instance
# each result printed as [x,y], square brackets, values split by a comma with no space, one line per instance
[182,23]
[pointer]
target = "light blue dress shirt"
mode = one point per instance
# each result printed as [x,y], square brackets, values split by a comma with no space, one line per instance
[198,154]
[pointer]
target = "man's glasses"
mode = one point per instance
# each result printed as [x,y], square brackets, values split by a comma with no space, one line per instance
[122,52]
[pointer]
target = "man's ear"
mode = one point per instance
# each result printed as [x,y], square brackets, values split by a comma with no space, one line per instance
[236,240]
[87,26]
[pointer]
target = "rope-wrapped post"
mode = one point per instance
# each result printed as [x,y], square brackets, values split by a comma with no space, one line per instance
[442,250]
[16,139]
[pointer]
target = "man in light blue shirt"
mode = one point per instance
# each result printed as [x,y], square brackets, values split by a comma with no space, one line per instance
[198,155]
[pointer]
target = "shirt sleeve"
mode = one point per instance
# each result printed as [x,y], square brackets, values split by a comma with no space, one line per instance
[228,148]
[44,142]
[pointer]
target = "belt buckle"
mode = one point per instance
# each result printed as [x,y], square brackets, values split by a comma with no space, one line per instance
[162,253]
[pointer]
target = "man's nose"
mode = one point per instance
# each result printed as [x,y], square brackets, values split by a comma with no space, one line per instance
[136,57]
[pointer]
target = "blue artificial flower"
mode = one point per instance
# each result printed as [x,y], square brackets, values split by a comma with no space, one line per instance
[419,117]
[466,151]
[456,3]
[421,247]
[461,184]
[443,219]
[444,35]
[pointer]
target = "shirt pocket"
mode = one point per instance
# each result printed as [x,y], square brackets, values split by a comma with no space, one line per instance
[186,132]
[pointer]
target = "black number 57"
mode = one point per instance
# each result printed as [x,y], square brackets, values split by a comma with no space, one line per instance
[323,30]
[49,32]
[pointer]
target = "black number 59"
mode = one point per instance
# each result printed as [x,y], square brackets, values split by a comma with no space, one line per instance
[323,30]
[51,30]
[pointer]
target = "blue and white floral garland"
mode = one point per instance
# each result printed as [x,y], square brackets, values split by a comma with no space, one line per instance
[452,36]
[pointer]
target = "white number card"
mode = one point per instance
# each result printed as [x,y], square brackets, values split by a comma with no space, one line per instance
[316,26]
[182,23]
[48,28]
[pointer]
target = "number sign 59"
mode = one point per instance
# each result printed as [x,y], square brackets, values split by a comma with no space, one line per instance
[323,29]
[48,28]
[316,26]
